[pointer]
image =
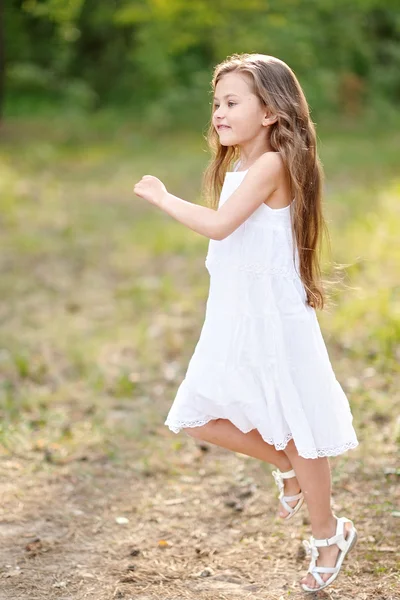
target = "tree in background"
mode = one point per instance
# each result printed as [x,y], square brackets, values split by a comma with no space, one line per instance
[157,56]
[2,58]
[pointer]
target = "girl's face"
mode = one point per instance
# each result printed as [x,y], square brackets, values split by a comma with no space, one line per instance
[238,115]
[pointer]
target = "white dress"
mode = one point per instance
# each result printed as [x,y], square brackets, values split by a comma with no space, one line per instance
[261,360]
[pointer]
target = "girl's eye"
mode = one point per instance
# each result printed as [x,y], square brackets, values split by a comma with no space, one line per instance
[217,105]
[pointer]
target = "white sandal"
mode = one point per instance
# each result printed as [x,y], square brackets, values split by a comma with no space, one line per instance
[279,477]
[345,545]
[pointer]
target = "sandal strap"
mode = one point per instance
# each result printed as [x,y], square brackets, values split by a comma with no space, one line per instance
[293,498]
[324,569]
[313,569]
[317,577]
[288,474]
[337,539]
[315,572]
[279,477]
[286,506]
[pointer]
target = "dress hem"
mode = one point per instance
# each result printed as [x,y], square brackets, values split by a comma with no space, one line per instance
[304,453]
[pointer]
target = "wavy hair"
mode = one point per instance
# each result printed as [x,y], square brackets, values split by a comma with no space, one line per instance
[293,136]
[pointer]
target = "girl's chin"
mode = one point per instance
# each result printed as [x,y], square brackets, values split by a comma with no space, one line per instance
[226,139]
[223,143]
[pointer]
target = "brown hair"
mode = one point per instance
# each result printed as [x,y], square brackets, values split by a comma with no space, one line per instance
[293,136]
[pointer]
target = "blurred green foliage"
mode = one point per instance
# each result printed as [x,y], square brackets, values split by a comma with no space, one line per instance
[157,56]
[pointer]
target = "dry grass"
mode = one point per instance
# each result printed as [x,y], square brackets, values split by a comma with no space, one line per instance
[101,304]
[200,525]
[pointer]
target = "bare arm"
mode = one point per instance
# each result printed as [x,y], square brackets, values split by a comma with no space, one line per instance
[200,219]
[256,187]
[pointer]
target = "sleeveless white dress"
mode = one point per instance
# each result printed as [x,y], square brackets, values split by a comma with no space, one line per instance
[261,360]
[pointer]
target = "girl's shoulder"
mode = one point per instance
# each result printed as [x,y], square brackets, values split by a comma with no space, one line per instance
[267,158]
[272,156]
[270,162]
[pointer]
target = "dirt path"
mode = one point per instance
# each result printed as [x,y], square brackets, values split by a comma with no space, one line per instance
[101,309]
[199,524]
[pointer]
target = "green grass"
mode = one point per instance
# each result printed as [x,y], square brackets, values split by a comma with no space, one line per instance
[102,296]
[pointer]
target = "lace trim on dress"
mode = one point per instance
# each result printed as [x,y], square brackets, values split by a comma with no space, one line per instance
[305,453]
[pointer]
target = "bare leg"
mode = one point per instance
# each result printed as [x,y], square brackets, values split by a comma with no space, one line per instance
[314,477]
[222,432]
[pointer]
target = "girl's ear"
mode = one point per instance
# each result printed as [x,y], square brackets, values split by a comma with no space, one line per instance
[269,119]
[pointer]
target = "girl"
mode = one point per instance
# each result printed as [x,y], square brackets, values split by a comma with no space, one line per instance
[260,381]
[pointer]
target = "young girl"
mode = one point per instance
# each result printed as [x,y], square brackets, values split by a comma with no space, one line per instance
[260,381]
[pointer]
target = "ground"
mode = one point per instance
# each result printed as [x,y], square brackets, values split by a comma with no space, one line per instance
[101,304]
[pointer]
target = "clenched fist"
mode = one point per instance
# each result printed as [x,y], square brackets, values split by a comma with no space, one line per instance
[151,189]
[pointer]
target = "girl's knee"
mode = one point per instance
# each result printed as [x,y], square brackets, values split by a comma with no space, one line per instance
[290,447]
[191,431]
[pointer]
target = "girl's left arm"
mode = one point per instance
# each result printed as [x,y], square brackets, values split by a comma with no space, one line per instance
[257,185]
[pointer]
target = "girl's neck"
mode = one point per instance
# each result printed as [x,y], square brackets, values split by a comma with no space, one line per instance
[248,156]
[245,162]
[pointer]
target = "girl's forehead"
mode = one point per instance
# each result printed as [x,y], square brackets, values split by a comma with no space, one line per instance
[233,83]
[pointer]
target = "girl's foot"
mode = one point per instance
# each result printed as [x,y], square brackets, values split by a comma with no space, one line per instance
[290,502]
[291,488]
[327,555]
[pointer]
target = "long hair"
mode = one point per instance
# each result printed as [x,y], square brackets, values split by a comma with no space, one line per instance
[293,136]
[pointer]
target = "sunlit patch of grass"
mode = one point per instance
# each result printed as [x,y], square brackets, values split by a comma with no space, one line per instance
[103,295]
[362,151]
[123,385]
[379,569]
[367,316]
[162,235]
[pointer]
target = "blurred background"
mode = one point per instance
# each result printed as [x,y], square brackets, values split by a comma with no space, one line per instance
[102,296]
[155,58]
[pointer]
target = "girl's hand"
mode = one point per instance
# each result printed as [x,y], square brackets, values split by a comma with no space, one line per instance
[151,189]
